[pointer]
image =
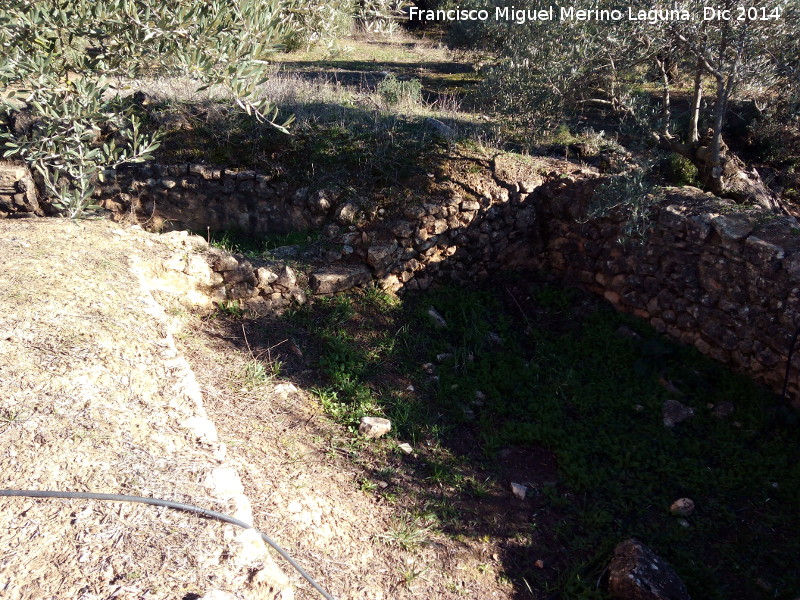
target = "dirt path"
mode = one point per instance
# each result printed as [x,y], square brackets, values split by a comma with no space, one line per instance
[95,397]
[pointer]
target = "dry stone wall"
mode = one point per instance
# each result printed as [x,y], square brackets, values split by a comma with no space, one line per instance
[197,197]
[708,273]
[468,236]
[218,275]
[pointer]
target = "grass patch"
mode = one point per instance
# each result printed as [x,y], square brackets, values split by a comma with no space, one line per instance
[399,93]
[537,366]
[406,534]
[230,308]
[351,352]
[258,372]
[242,242]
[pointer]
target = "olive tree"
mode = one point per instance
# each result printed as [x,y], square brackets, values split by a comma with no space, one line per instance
[546,68]
[740,49]
[64,63]
[543,69]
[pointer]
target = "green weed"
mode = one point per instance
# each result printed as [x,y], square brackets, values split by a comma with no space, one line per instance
[382,300]
[395,92]
[367,485]
[406,534]
[681,171]
[257,372]
[242,242]
[230,308]
[410,575]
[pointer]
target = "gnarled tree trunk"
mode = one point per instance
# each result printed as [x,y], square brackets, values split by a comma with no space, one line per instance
[732,179]
[726,175]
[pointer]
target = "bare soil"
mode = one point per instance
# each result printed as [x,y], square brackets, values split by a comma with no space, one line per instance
[94,397]
[308,479]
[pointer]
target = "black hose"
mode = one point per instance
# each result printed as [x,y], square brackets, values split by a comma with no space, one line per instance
[169,504]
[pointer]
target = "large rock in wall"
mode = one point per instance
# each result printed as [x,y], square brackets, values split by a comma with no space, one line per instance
[18,195]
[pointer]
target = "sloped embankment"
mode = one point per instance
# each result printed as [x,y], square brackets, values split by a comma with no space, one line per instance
[95,397]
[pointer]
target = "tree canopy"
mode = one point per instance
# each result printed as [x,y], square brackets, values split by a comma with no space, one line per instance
[66,62]
[546,70]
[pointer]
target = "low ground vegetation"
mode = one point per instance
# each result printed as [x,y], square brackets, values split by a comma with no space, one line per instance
[542,385]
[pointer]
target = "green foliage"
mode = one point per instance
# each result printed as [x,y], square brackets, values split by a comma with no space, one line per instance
[258,372]
[398,93]
[379,298]
[379,16]
[543,72]
[365,152]
[540,73]
[246,243]
[557,299]
[628,194]
[231,308]
[59,56]
[317,21]
[78,131]
[681,171]
[345,362]
[337,140]
[406,534]
[562,135]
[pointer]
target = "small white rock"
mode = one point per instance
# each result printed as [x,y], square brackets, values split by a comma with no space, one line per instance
[217,595]
[519,490]
[405,448]
[285,389]
[225,482]
[374,427]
